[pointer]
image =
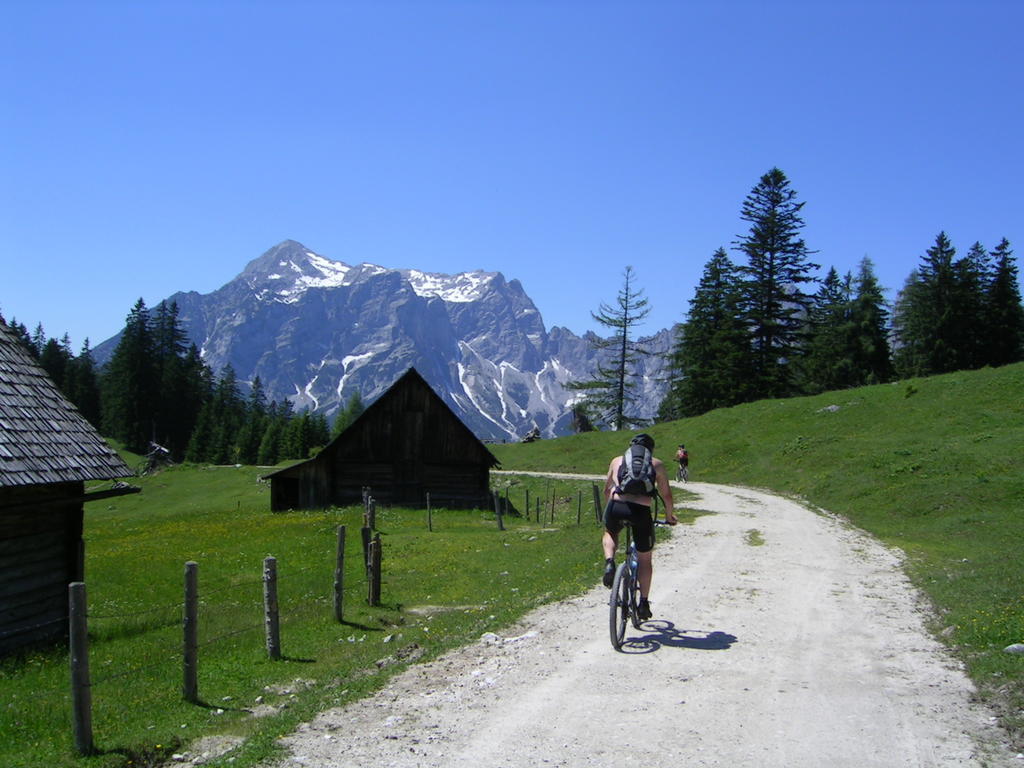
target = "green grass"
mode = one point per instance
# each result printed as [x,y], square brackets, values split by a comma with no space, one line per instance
[933,466]
[440,589]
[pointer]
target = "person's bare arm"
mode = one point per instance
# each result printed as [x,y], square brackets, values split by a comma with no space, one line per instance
[665,491]
[609,479]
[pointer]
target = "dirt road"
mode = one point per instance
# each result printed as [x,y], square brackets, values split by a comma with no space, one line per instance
[781,637]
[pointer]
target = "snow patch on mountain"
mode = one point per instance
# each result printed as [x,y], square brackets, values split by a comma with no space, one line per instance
[460,288]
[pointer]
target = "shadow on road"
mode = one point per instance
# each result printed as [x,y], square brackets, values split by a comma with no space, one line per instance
[661,634]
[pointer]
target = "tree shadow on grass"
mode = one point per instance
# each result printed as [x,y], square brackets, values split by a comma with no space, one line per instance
[664,634]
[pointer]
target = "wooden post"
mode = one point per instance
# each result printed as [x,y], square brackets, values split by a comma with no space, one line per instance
[371,514]
[81,692]
[552,506]
[364,533]
[430,515]
[374,580]
[538,509]
[190,688]
[527,507]
[271,616]
[597,503]
[339,574]
[497,511]
[579,506]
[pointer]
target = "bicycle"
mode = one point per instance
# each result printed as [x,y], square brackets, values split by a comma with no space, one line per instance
[683,473]
[624,601]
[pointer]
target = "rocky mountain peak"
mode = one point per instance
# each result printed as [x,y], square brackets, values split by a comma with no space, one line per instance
[316,330]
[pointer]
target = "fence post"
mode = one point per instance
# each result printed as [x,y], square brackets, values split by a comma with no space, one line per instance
[190,688]
[430,515]
[81,692]
[339,574]
[579,506]
[371,514]
[527,507]
[271,616]
[365,535]
[374,580]
[497,511]
[597,502]
[552,506]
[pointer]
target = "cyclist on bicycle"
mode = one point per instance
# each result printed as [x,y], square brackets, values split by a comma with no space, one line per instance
[635,508]
[683,458]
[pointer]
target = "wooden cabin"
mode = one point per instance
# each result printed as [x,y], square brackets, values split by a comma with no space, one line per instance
[48,451]
[407,444]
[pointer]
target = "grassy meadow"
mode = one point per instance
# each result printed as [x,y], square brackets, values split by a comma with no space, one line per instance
[440,589]
[932,466]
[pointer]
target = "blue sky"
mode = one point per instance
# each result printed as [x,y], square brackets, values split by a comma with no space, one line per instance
[147,148]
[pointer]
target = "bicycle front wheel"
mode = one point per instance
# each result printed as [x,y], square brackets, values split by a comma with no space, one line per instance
[619,606]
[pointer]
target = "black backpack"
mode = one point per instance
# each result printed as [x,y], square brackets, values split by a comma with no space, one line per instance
[636,472]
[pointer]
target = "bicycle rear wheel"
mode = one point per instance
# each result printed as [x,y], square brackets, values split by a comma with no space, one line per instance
[619,606]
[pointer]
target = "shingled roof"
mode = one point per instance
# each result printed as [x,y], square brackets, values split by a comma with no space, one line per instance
[43,437]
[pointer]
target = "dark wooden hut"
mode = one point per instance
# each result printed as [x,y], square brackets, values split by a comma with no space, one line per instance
[48,451]
[407,444]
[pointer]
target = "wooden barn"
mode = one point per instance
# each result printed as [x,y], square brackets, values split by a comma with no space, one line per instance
[48,451]
[407,444]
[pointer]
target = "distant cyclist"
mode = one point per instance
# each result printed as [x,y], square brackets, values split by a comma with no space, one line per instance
[683,459]
[632,481]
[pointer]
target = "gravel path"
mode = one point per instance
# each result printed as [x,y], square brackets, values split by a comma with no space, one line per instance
[781,637]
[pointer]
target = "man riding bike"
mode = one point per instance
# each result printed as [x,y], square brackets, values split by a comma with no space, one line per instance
[683,459]
[628,499]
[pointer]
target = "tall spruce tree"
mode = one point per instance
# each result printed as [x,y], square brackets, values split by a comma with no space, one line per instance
[1005,316]
[774,303]
[872,354]
[926,338]
[711,358]
[128,385]
[251,434]
[83,385]
[828,362]
[611,393]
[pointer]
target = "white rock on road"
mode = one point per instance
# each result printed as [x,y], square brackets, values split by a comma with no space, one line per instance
[806,650]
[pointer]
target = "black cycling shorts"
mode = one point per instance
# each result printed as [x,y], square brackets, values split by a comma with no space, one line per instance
[639,517]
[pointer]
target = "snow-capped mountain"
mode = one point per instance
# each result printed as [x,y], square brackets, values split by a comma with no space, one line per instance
[317,330]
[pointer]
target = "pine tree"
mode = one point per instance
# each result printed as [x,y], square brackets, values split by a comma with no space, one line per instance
[774,303]
[177,407]
[611,392]
[871,354]
[925,315]
[255,425]
[1005,316]
[829,362]
[968,308]
[711,358]
[128,385]
[83,385]
[228,415]
[55,358]
[270,443]
[345,416]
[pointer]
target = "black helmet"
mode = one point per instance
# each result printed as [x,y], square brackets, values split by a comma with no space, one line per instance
[643,439]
